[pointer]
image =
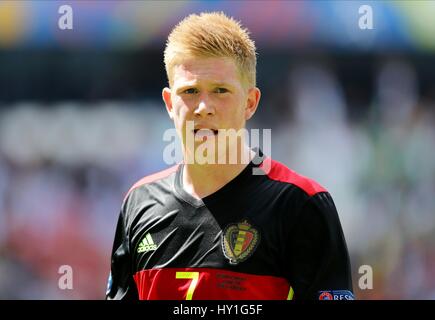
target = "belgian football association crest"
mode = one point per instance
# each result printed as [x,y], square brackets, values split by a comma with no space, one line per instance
[239,241]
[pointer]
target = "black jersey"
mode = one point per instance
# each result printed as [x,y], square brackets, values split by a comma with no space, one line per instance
[275,235]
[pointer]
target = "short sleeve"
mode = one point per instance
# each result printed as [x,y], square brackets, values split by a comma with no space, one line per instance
[317,260]
[121,285]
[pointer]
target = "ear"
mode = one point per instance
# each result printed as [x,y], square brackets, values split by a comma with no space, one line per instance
[252,101]
[166,95]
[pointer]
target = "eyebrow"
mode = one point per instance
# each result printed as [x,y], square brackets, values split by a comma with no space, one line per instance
[213,84]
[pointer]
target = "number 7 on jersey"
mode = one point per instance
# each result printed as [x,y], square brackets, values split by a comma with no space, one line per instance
[189,275]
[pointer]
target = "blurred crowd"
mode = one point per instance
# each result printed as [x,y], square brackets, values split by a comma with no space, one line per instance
[66,166]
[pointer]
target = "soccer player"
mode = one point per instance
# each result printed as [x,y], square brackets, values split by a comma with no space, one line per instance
[217,229]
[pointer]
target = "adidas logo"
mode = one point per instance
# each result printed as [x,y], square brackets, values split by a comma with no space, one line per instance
[147,244]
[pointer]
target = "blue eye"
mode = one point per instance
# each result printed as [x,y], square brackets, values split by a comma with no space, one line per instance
[190,91]
[221,90]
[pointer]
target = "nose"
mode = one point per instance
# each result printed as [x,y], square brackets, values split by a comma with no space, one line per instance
[205,107]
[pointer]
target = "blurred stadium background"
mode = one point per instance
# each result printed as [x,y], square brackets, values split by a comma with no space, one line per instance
[81,119]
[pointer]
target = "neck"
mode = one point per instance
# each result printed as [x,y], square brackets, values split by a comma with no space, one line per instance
[205,179]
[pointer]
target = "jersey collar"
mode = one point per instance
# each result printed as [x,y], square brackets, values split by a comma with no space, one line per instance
[237,182]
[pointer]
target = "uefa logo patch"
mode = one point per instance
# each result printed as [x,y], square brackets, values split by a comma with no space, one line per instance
[326,296]
[336,295]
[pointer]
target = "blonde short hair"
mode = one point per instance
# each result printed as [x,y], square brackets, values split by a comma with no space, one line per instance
[212,35]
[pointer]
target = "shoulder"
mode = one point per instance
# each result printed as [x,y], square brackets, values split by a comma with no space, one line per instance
[152,178]
[277,171]
[315,210]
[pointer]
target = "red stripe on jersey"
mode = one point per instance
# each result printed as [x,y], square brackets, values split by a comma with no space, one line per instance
[153,177]
[279,172]
[208,284]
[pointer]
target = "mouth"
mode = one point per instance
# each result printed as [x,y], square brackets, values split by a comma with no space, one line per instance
[202,134]
[206,131]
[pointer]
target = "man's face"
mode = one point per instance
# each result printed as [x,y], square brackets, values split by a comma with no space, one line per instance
[210,93]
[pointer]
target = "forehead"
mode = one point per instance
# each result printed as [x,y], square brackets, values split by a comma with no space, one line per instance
[213,70]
